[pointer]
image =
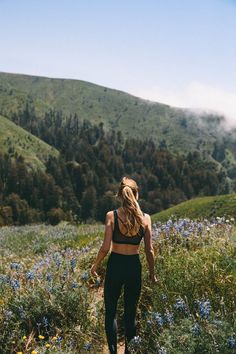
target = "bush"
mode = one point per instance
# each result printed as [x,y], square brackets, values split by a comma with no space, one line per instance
[55,215]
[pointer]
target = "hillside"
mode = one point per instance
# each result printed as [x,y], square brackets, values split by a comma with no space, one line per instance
[136,117]
[180,130]
[14,139]
[205,207]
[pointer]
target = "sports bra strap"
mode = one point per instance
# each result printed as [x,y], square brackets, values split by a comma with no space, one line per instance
[116,218]
[120,219]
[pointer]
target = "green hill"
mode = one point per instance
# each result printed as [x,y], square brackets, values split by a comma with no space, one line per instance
[205,207]
[116,109]
[180,129]
[16,141]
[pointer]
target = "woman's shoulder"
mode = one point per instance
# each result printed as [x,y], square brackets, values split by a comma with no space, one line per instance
[110,215]
[146,219]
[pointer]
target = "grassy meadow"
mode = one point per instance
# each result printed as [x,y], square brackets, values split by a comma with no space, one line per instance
[49,303]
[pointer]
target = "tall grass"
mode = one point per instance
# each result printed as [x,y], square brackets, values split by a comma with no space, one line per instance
[49,303]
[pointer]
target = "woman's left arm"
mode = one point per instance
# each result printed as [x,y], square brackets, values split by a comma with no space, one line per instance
[105,247]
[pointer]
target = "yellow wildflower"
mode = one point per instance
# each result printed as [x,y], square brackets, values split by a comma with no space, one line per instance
[19,352]
[41,337]
[34,352]
[24,337]
[47,345]
[54,338]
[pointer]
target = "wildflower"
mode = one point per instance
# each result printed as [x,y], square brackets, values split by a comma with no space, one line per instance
[49,277]
[8,315]
[157,317]
[19,353]
[74,285]
[47,345]
[136,340]
[72,342]
[30,275]
[45,322]
[73,263]
[65,274]
[186,233]
[85,276]
[15,284]
[196,330]
[204,308]
[58,263]
[231,342]
[41,337]
[38,324]
[34,352]
[163,297]
[24,337]
[180,305]
[22,312]
[168,317]
[87,346]
[98,282]
[15,265]
[59,339]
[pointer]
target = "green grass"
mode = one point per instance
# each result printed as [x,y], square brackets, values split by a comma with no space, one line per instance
[14,139]
[204,207]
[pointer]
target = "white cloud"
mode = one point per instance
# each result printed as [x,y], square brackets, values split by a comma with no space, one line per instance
[197,96]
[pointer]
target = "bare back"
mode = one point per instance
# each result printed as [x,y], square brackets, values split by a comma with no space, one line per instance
[125,248]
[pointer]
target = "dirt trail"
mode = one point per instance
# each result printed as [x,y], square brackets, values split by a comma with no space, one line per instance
[120,349]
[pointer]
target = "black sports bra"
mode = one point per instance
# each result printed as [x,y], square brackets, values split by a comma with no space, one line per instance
[118,237]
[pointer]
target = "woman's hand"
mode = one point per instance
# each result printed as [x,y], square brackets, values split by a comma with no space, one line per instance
[153,278]
[93,270]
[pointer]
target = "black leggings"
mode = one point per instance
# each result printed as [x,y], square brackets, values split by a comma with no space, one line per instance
[127,270]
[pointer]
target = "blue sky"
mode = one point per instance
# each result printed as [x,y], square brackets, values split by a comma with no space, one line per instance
[181,52]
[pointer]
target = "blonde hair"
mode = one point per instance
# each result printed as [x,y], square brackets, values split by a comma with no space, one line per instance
[128,191]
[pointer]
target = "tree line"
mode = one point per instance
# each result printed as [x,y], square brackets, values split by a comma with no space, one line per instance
[81,184]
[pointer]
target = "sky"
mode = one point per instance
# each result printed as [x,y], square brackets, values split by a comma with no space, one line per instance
[179,52]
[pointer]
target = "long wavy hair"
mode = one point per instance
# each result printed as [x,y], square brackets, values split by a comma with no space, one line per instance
[128,193]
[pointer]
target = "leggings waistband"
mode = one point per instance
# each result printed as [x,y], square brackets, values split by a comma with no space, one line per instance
[120,260]
[120,255]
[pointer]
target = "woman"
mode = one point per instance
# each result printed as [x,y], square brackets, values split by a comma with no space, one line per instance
[124,229]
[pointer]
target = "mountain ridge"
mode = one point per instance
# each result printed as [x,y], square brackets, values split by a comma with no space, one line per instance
[180,130]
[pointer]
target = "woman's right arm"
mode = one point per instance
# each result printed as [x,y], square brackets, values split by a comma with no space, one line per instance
[149,251]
